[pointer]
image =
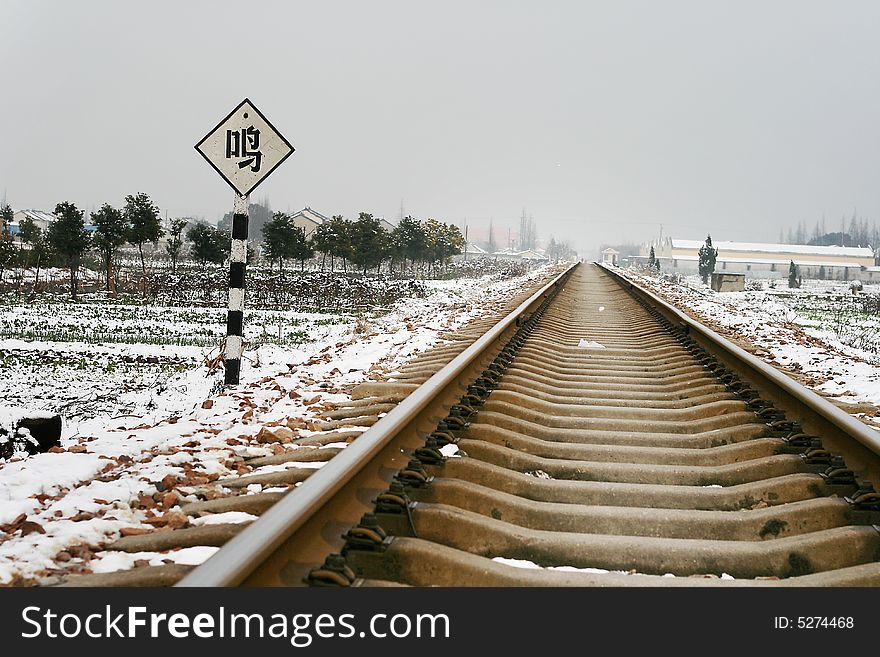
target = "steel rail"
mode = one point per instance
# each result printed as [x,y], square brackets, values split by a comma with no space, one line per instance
[827,419]
[244,553]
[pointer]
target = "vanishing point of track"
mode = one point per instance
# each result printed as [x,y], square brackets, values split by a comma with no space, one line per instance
[598,429]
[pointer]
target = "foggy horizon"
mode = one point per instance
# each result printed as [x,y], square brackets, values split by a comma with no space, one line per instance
[601,121]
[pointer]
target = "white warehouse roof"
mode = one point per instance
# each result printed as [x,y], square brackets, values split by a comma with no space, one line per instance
[798,249]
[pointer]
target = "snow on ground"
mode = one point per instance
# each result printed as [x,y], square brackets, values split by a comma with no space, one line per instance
[180,430]
[817,334]
[531,565]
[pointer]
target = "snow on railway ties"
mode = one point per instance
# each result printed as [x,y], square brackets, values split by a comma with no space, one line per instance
[588,439]
[208,514]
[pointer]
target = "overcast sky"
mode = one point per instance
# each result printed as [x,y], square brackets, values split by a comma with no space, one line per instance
[602,119]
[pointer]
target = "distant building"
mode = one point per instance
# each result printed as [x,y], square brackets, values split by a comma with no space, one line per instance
[531,255]
[309,219]
[762,260]
[387,225]
[610,256]
[506,254]
[41,219]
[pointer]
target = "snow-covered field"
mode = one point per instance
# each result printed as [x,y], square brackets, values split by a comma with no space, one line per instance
[151,423]
[96,361]
[820,334]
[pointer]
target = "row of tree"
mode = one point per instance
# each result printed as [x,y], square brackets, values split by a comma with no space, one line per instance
[855,232]
[557,251]
[362,242]
[66,240]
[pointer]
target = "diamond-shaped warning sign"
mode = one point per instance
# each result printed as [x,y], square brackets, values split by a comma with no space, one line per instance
[244,148]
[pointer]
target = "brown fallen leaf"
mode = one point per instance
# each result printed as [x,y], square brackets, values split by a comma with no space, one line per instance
[29,527]
[172,519]
[134,531]
[13,526]
[81,551]
[208,403]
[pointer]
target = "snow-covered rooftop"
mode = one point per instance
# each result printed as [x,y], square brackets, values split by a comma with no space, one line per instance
[760,247]
[768,261]
[38,215]
[311,215]
[470,247]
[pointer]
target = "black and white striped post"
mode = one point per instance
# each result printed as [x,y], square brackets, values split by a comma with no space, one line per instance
[235,313]
[244,148]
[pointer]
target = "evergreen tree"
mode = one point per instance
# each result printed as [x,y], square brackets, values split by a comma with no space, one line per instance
[35,238]
[69,240]
[208,244]
[793,275]
[175,244]
[143,221]
[301,248]
[322,240]
[278,238]
[368,242]
[111,229]
[707,257]
[444,241]
[652,259]
[7,248]
[340,232]
[283,239]
[408,240]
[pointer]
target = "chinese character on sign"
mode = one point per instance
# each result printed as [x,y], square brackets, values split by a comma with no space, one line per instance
[245,143]
[244,148]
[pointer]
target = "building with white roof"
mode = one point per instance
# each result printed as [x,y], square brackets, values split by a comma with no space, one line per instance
[309,219]
[610,256]
[763,260]
[41,219]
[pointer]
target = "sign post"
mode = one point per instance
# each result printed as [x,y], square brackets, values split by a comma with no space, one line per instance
[244,148]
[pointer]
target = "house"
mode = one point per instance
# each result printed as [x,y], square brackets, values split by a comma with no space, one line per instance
[532,255]
[506,254]
[386,225]
[40,218]
[309,220]
[762,260]
[470,252]
[610,256]
[529,255]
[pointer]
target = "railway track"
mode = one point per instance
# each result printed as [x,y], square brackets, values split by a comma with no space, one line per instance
[594,437]
[253,484]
